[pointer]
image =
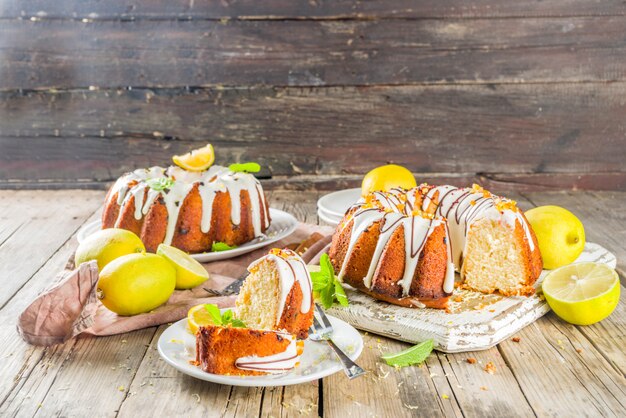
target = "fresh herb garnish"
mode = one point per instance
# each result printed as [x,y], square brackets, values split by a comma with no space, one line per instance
[245,167]
[160,184]
[412,355]
[221,246]
[326,288]
[223,319]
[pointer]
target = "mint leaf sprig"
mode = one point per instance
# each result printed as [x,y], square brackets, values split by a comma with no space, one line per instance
[245,167]
[412,355]
[223,319]
[160,184]
[326,288]
[221,246]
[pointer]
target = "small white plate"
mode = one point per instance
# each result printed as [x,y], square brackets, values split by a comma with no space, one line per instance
[177,346]
[329,219]
[283,224]
[337,203]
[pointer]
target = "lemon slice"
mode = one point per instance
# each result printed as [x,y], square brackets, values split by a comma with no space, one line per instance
[189,273]
[197,317]
[386,177]
[582,293]
[413,355]
[196,160]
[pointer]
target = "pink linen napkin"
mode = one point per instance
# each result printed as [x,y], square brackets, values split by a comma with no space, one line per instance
[70,307]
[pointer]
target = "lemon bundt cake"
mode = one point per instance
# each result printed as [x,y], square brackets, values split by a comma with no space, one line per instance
[244,351]
[188,210]
[403,246]
[277,294]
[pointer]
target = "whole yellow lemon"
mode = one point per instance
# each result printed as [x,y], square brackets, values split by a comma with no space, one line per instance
[386,177]
[136,283]
[106,245]
[560,234]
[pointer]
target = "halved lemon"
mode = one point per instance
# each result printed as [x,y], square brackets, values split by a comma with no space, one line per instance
[197,317]
[197,160]
[189,272]
[582,293]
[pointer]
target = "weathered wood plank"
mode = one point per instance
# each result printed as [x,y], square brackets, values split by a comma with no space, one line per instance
[299,9]
[69,54]
[446,130]
[49,219]
[546,357]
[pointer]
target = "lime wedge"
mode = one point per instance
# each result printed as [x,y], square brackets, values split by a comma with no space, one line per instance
[189,273]
[413,355]
[582,293]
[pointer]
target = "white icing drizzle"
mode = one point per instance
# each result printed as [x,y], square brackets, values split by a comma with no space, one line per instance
[215,180]
[275,363]
[457,209]
[291,269]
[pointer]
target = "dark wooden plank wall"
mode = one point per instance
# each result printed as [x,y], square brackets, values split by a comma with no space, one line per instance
[526,95]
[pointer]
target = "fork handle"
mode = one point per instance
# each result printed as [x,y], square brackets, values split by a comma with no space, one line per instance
[351,369]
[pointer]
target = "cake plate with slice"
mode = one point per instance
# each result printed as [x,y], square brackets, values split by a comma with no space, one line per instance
[177,346]
[475,321]
[283,224]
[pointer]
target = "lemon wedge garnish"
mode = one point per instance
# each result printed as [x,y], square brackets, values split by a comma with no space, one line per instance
[197,317]
[189,272]
[582,293]
[196,160]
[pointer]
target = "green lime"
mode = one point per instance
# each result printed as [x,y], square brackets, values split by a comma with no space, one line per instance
[189,272]
[413,355]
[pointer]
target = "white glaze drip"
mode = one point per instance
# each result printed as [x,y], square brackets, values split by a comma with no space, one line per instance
[275,363]
[215,180]
[291,269]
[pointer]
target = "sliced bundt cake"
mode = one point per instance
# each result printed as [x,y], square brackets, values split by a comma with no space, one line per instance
[403,246]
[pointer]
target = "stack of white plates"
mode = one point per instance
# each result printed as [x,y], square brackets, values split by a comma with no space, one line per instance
[332,207]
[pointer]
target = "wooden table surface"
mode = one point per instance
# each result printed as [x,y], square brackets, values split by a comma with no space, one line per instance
[555,369]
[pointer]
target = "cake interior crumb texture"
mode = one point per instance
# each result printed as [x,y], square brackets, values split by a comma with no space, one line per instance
[257,304]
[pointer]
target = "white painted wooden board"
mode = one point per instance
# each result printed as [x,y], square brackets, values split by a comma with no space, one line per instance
[477,322]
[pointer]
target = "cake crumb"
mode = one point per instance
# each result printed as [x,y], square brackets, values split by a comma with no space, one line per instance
[407,406]
[490,368]
[516,339]
[471,360]
[579,350]
[484,388]
[459,298]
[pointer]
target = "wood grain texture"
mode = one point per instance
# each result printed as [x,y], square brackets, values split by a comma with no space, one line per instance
[544,136]
[303,9]
[543,374]
[70,54]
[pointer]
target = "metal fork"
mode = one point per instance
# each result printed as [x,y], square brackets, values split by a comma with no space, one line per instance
[319,332]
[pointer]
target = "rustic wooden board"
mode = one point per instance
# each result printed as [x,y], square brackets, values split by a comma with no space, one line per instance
[302,9]
[476,322]
[69,54]
[447,131]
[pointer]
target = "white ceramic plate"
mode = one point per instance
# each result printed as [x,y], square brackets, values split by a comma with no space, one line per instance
[329,219]
[283,224]
[337,203]
[177,346]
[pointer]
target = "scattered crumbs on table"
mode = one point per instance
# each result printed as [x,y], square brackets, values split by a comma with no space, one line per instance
[490,368]
[124,341]
[458,298]
[484,388]
[433,375]
[579,350]
[471,360]
[195,395]
[444,396]
[516,339]
[121,388]
[407,406]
